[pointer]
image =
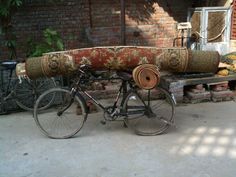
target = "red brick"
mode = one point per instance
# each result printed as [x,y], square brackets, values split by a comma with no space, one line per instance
[195,96]
[220,86]
[222,95]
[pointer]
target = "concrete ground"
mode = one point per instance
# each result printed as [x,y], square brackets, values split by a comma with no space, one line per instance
[202,145]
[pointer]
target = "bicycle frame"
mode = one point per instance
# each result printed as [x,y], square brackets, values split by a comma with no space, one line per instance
[6,92]
[123,88]
[78,88]
[99,104]
[137,109]
[13,88]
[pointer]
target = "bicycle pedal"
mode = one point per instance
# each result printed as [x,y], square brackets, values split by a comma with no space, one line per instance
[103,122]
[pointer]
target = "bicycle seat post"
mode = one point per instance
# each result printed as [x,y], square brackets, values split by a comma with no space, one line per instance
[126,78]
[124,86]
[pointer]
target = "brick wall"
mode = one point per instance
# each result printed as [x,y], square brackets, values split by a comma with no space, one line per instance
[233,22]
[84,24]
[70,18]
[213,3]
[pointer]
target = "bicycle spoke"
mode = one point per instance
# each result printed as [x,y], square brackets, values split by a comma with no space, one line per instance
[166,121]
[68,123]
[154,117]
[27,93]
[159,103]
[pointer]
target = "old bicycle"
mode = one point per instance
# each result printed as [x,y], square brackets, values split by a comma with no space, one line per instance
[23,91]
[147,112]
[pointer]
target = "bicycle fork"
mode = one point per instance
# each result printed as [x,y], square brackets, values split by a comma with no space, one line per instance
[8,96]
[73,93]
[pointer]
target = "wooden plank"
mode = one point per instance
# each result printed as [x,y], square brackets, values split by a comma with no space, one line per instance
[208,80]
[180,82]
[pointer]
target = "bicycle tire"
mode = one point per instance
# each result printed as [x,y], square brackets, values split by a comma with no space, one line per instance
[27,92]
[145,121]
[69,122]
[2,104]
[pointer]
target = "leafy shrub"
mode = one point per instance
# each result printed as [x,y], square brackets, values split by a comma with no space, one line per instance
[7,9]
[51,42]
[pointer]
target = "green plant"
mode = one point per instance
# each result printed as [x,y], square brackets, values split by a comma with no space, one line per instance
[7,9]
[51,42]
[9,6]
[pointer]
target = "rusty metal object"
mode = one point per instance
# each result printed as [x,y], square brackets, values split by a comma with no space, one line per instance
[195,37]
[146,76]
[123,57]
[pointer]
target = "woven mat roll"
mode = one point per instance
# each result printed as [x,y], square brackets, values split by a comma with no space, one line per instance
[122,58]
[20,69]
[146,76]
[50,65]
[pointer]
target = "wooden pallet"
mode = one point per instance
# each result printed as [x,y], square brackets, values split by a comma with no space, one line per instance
[176,83]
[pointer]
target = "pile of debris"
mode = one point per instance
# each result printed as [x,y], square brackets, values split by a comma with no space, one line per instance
[227,64]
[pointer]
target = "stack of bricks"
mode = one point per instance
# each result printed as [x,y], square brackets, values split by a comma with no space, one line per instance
[174,87]
[197,93]
[178,93]
[221,92]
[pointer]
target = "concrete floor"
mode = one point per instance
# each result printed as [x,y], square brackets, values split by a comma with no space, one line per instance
[202,145]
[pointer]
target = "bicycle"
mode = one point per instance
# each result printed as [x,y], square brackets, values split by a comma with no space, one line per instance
[147,112]
[23,91]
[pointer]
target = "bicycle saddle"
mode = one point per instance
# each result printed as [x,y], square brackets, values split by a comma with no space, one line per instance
[9,64]
[124,75]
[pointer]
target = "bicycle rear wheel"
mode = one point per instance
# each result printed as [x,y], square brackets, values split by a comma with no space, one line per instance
[28,92]
[148,112]
[64,117]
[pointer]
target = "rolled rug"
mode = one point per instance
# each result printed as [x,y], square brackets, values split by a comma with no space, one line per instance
[20,70]
[121,58]
[146,76]
[50,65]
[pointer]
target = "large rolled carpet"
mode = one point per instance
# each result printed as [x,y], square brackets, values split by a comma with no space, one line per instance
[121,58]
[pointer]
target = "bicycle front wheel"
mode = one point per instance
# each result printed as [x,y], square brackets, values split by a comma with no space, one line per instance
[28,91]
[148,112]
[64,117]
